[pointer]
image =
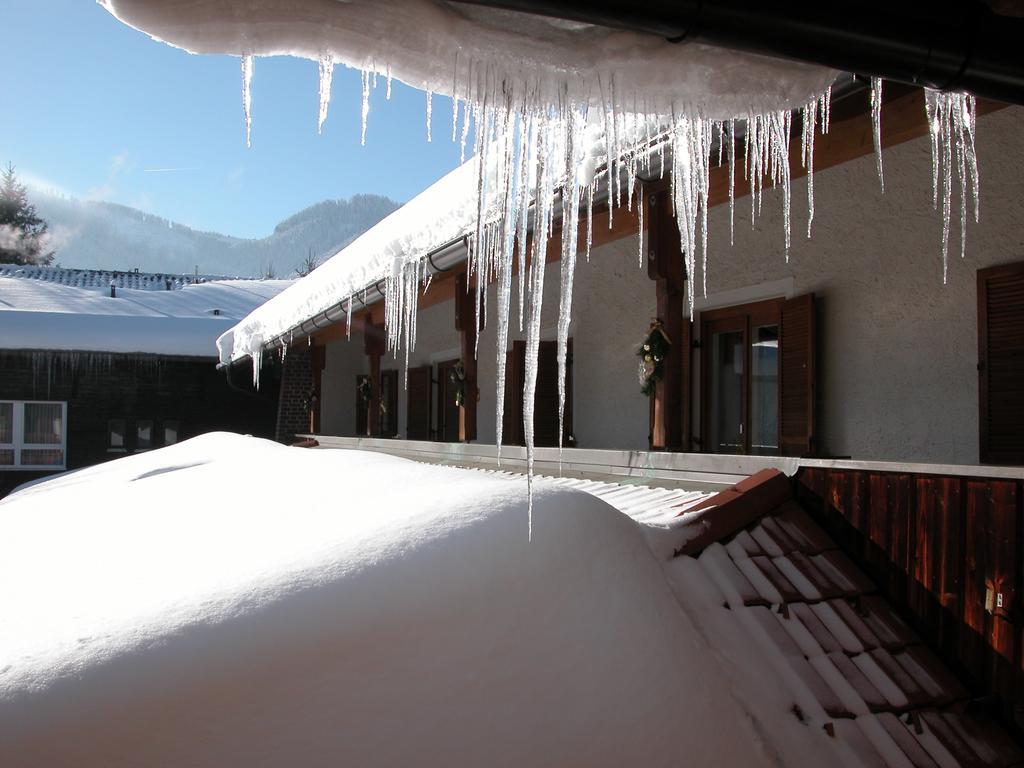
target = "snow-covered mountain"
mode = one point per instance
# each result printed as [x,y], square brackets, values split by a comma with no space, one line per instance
[100,235]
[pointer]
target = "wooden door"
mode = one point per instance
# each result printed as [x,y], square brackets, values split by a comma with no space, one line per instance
[447,410]
[362,407]
[418,410]
[388,403]
[545,409]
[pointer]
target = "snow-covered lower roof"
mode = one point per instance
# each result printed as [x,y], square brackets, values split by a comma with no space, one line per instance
[42,315]
[101,279]
[170,611]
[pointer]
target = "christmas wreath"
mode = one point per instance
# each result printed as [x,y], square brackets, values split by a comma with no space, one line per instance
[457,376]
[652,357]
[365,390]
[310,400]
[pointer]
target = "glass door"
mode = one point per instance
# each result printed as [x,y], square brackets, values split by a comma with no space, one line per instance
[726,401]
[740,361]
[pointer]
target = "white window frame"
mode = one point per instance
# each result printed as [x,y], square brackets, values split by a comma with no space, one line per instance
[18,435]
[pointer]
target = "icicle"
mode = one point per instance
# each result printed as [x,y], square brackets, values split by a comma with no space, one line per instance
[387,94]
[640,236]
[732,182]
[366,105]
[430,110]
[810,118]
[826,110]
[571,192]
[247,67]
[590,217]
[465,134]
[348,320]
[951,121]
[876,125]
[544,197]
[326,75]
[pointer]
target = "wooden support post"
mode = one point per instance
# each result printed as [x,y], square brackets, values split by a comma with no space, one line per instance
[465,324]
[665,267]
[317,361]
[374,346]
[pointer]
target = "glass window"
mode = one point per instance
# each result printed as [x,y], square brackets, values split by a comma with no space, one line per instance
[6,434]
[6,423]
[764,391]
[741,379]
[32,434]
[725,404]
[42,457]
[143,435]
[116,434]
[170,432]
[43,423]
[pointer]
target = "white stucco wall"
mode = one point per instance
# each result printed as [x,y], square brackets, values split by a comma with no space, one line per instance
[343,361]
[612,308]
[897,349]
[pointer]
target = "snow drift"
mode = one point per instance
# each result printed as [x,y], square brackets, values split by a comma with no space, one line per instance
[229,601]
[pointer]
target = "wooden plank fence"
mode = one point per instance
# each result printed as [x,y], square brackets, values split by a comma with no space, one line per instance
[947,551]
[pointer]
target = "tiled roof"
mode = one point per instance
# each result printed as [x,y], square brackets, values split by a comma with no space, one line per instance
[100,279]
[890,697]
[811,613]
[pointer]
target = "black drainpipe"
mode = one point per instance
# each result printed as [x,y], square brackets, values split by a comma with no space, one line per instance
[948,45]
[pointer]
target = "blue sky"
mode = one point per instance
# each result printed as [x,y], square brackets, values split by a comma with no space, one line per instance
[91,107]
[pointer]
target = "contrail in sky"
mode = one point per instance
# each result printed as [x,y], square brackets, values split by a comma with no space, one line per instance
[166,170]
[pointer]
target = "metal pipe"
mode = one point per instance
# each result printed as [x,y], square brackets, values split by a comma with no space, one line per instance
[948,45]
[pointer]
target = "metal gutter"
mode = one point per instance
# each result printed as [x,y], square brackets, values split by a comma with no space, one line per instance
[948,45]
[438,261]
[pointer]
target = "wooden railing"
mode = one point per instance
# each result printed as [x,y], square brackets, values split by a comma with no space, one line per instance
[946,549]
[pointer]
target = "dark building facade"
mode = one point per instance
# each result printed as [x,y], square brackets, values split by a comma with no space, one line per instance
[67,410]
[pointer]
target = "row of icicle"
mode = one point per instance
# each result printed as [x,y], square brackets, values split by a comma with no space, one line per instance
[536,170]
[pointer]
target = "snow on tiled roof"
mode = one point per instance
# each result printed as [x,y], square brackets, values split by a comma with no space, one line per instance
[101,279]
[42,314]
[798,604]
[839,645]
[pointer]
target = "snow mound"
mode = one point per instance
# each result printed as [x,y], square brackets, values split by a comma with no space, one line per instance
[228,600]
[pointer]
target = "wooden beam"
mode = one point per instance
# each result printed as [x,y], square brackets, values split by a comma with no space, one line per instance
[465,324]
[665,268]
[374,347]
[903,119]
[317,362]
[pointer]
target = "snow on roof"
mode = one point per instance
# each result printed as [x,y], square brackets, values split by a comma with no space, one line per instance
[171,611]
[452,49]
[101,279]
[446,211]
[44,315]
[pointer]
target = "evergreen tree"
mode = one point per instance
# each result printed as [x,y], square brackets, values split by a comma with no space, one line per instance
[22,231]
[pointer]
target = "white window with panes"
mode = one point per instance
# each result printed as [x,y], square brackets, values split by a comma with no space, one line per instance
[33,434]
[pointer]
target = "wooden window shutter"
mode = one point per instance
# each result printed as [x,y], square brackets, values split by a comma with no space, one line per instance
[1001,363]
[686,362]
[545,403]
[389,403]
[797,376]
[418,403]
[361,407]
[515,373]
